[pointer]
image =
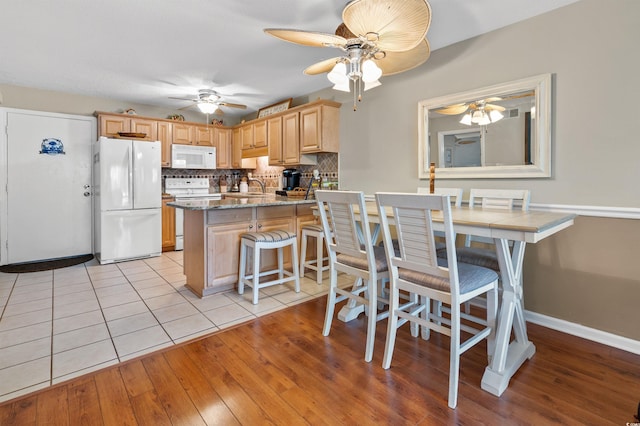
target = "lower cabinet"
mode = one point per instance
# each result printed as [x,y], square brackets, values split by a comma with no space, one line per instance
[212,243]
[168,226]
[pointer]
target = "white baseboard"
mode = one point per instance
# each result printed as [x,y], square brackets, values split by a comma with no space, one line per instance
[588,333]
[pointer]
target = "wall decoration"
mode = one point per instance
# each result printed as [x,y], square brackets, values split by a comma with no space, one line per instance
[277,107]
[176,117]
[51,146]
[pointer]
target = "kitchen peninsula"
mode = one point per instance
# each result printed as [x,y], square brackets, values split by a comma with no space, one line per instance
[212,230]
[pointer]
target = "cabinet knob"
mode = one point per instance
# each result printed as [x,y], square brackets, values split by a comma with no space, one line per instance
[250,226]
[260,226]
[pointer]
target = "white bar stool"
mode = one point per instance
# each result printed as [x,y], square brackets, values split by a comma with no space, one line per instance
[317,264]
[267,240]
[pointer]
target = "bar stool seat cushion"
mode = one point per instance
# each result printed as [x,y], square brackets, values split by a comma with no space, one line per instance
[269,237]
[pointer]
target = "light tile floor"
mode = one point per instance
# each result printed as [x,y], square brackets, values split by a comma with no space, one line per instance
[60,324]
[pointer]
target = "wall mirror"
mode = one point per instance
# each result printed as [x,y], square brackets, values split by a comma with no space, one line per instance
[501,131]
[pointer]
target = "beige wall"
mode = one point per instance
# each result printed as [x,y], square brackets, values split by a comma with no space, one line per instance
[588,274]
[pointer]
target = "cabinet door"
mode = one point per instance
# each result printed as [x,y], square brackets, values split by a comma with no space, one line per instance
[182,133]
[236,149]
[310,129]
[168,226]
[222,138]
[223,253]
[247,136]
[274,140]
[203,135]
[260,134]
[143,125]
[165,135]
[291,138]
[110,125]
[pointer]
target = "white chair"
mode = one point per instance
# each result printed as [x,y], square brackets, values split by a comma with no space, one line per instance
[454,193]
[416,269]
[319,263]
[506,199]
[271,240]
[341,213]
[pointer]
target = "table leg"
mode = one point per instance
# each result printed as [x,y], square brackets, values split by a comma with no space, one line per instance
[509,356]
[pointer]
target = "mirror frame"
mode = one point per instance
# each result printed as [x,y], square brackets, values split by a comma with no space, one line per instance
[540,146]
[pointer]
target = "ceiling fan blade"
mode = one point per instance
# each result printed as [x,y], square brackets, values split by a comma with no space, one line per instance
[490,107]
[396,62]
[400,24]
[183,99]
[322,66]
[307,38]
[185,107]
[230,105]
[453,109]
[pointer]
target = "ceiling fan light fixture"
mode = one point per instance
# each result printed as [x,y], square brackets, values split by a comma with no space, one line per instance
[370,72]
[484,120]
[495,115]
[466,119]
[338,74]
[207,107]
[371,84]
[343,87]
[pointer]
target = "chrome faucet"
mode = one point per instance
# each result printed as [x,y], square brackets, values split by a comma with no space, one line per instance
[261,183]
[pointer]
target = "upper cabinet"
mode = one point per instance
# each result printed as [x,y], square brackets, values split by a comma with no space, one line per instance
[165,135]
[319,129]
[222,138]
[193,134]
[111,125]
[294,135]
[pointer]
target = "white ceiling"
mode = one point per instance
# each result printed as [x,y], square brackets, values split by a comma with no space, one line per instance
[144,51]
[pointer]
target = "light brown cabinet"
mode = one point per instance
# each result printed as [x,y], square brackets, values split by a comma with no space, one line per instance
[168,226]
[203,135]
[183,133]
[216,233]
[222,138]
[319,129]
[165,136]
[283,134]
[111,125]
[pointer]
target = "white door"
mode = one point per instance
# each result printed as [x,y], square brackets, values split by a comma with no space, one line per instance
[48,196]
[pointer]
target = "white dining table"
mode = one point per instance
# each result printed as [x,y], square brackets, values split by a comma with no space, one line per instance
[511,230]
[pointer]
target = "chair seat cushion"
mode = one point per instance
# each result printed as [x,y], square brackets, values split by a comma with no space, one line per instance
[313,227]
[356,262]
[269,237]
[487,258]
[470,277]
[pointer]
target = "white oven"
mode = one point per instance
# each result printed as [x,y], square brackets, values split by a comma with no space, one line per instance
[193,157]
[184,189]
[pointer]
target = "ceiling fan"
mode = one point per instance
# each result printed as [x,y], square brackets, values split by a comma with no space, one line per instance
[208,102]
[379,37]
[481,111]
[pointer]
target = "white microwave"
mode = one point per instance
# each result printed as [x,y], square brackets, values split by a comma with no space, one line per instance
[193,157]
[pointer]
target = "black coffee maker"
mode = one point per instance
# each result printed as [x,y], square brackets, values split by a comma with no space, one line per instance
[290,179]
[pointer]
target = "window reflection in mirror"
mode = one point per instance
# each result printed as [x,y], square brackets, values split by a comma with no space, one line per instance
[498,131]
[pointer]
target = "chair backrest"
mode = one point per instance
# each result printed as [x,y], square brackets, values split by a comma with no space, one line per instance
[412,216]
[454,193]
[346,225]
[505,199]
[500,198]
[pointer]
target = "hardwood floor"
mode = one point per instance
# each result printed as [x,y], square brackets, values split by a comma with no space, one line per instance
[279,369]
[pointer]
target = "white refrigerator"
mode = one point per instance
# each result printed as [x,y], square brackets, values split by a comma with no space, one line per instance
[128,199]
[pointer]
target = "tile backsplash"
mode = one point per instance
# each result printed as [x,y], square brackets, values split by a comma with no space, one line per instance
[270,175]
